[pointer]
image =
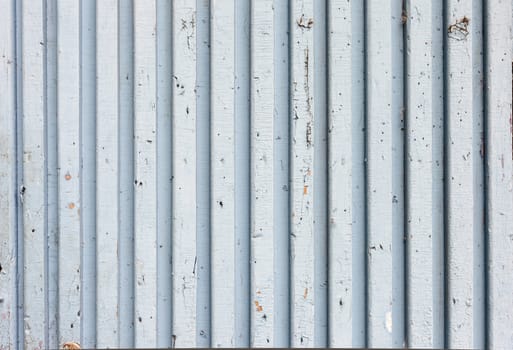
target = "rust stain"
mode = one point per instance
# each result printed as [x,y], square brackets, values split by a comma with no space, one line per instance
[305,190]
[404,16]
[305,294]
[259,307]
[71,345]
[71,205]
[67,177]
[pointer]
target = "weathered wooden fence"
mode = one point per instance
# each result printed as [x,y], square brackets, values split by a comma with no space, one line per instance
[256,173]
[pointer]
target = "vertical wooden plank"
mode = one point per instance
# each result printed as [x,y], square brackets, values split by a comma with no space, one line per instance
[52,179]
[68,120]
[242,179]
[320,181]
[262,208]
[8,207]
[165,82]
[464,176]
[223,173]
[302,167]
[385,174]
[499,171]
[346,199]
[424,180]
[281,176]
[87,128]
[107,169]
[33,178]
[126,176]
[184,170]
[145,216]
[479,261]
[203,189]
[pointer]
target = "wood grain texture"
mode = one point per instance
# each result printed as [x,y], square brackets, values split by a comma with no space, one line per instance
[385,113]
[8,194]
[126,176]
[424,179]
[145,172]
[302,174]
[262,184]
[499,199]
[165,173]
[184,169]
[107,181]
[346,193]
[68,153]
[87,134]
[203,156]
[464,176]
[33,175]
[222,174]
[281,166]
[251,173]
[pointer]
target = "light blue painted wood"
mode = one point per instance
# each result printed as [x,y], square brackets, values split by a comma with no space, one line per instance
[70,175]
[184,176]
[424,230]
[224,282]
[126,178]
[262,196]
[346,192]
[302,155]
[8,193]
[165,172]
[145,173]
[107,230]
[167,164]
[499,200]
[384,174]
[464,176]
[32,179]
[203,190]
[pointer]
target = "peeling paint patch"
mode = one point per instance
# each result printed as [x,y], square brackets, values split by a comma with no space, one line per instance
[259,307]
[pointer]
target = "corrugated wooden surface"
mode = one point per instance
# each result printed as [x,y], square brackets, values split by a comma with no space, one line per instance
[256,173]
